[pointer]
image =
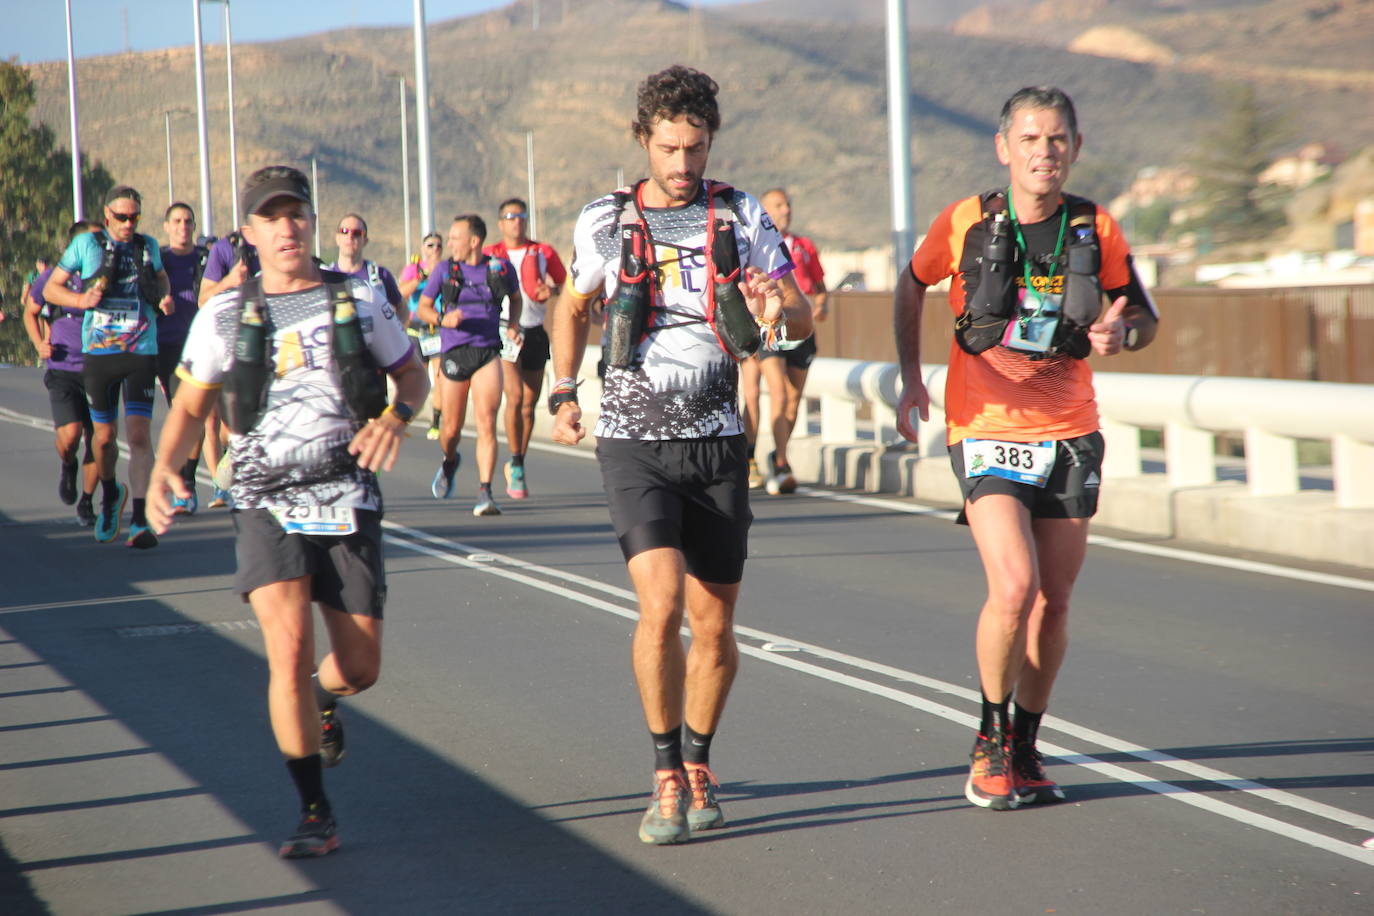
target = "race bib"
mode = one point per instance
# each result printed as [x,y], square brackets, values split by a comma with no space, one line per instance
[1023,462]
[115,318]
[429,343]
[328,520]
[510,349]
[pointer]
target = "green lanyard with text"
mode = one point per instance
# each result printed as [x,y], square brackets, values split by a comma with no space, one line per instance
[1025,252]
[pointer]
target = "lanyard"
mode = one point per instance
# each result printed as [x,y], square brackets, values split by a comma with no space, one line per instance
[1025,252]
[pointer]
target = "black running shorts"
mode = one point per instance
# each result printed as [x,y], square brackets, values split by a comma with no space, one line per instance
[104,376]
[345,573]
[688,494]
[1070,492]
[67,398]
[799,357]
[535,351]
[460,363]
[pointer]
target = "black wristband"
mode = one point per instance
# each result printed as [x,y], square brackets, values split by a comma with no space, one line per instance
[559,398]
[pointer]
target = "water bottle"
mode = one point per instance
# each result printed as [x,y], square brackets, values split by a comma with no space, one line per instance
[627,311]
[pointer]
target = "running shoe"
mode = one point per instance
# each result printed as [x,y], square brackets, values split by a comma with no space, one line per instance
[1028,774]
[432,434]
[515,481]
[442,486]
[331,738]
[665,821]
[317,835]
[704,811]
[186,506]
[85,512]
[141,537]
[989,780]
[221,499]
[66,484]
[485,505]
[782,480]
[107,524]
[755,475]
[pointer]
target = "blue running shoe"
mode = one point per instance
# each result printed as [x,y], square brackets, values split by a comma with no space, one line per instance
[186,506]
[141,537]
[107,523]
[442,487]
[516,487]
[220,500]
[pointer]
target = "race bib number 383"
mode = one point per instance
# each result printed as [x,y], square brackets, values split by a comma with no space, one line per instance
[1024,462]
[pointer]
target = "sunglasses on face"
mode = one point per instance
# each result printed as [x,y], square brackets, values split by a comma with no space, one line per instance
[125,217]
[356,233]
[509,216]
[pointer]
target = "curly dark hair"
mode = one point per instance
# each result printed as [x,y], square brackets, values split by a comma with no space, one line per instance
[673,92]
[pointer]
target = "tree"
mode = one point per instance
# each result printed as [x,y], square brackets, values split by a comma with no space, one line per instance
[1228,161]
[35,199]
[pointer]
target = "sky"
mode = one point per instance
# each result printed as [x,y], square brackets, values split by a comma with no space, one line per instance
[36,30]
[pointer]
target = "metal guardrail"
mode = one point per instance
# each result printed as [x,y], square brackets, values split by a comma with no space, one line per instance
[1191,410]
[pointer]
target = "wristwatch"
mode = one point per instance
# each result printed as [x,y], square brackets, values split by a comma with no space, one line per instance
[559,398]
[403,411]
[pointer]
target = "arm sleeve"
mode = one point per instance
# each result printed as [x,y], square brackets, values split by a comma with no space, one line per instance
[82,257]
[385,334]
[934,258]
[589,266]
[767,250]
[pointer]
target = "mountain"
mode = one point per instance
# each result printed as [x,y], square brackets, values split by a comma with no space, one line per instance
[804,105]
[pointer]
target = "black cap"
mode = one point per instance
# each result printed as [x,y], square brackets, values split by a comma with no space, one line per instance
[121,191]
[270,183]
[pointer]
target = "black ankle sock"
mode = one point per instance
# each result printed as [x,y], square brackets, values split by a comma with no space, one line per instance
[140,507]
[188,470]
[1025,725]
[86,497]
[450,466]
[668,749]
[109,490]
[749,450]
[517,461]
[995,716]
[434,423]
[697,747]
[308,775]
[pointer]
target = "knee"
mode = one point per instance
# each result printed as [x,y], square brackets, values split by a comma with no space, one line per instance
[659,623]
[714,635]
[359,675]
[1012,595]
[1053,610]
[139,438]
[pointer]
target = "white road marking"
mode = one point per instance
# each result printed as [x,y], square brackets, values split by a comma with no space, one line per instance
[528,574]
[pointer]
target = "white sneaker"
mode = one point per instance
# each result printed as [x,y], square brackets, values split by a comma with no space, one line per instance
[485,505]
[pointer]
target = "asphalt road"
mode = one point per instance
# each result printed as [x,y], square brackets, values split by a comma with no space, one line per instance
[1213,726]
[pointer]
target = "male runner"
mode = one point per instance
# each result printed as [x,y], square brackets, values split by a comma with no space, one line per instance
[307,507]
[124,289]
[785,370]
[183,259]
[352,238]
[669,438]
[1029,266]
[541,274]
[463,297]
[56,335]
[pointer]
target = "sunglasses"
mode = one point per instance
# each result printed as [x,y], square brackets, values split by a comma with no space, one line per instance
[126,217]
[356,233]
[513,216]
[431,244]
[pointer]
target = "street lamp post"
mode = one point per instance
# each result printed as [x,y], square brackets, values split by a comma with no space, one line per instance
[233,146]
[78,210]
[899,133]
[529,171]
[171,194]
[207,212]
[422,119]
[405,168]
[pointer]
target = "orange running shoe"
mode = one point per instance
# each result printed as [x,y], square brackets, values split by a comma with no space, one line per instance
[1028,774]
[989,780]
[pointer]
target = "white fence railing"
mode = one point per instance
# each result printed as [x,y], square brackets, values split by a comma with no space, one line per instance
[1272,414]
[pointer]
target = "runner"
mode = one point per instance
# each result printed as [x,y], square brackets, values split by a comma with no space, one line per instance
[183,260]
[56,335]
[124,289]
[412,284]
[352,239]
[1029,266]
[468,289]
[541,274]
[307,506]
[785,370]
[670,442]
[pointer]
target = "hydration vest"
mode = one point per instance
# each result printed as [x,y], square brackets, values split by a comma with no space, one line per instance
[453,284]
[147,284]
[628,313]
[244,392]
[990,302]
